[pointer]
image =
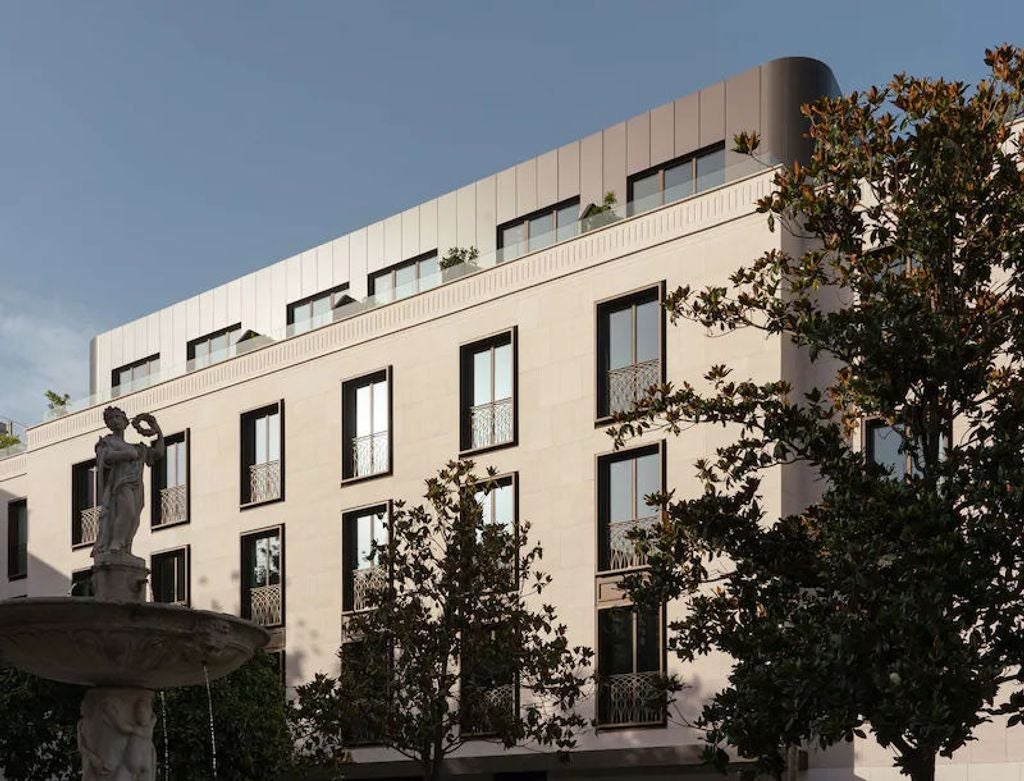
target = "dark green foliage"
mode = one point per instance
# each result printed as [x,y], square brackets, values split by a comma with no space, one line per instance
[457,255]
[38,728]
[891,603]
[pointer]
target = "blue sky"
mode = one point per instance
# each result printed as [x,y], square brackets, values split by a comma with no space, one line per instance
[149,151]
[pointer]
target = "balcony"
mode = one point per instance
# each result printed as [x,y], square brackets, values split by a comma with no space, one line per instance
[622,552]
[631,699]
[495,704]
[627,384]
[491,423]
[89,525]
[265,605]
[173,505]
[264,481]
[365,582]
[370,454]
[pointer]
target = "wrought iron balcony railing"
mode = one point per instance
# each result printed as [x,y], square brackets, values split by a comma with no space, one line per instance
[627,384]
[264,481]
[265,604]
[631,699]
[622,551]
[370,454]
[173,504]
[491,423]
[365,582]
[89,525]
[493,704]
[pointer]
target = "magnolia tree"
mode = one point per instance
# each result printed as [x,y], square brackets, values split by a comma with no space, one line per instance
[458,645]
[894,601]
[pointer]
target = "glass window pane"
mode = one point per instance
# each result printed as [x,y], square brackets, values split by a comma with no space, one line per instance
[620,490]
[678,181]
[620,338]
[885,449]
[615,641]
[646,193]
[482,377]
[260,428]
[274,558]
[504,505]
[567,219]
[405,281]
[503,371]
[486,503]
[711,170]
[430,273]
[301,313]
[364,423]
[273,437]
[380,407]
[648,641]
[541,232]
[647,328]
[648,481]
[180,452]
[382,287]
[321,307]
[364,537]
[512,241]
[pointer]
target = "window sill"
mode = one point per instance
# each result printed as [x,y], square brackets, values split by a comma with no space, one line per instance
[160,526]
[251,505]
[476,451]
[81,545]
[638,725]
[14,578]
[362,478]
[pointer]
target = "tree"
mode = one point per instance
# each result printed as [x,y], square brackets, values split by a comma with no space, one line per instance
[457,646]
[8,440]
[57,403]
[893,601]
[38,721]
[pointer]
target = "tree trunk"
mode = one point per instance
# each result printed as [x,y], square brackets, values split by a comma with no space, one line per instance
[921,766]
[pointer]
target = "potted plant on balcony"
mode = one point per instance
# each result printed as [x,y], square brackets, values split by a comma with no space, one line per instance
[597,216]
[457,262]
[57,403]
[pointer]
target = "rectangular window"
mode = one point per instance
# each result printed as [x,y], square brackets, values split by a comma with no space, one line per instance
[624,479]
[263,576]
[498,506]
[213,347]
[406,278]
[489,694]
[316,310]
[263,454]
[133,376]
[366,425]
[81,584]
[363,576]
[676,179]
[17,539]
[538,230]
[170,499]
[487,385]
[630,334]
[85,511]
[170,577]
[884,443]
[629,659]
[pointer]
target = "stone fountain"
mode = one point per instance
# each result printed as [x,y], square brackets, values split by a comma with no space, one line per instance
[116,643]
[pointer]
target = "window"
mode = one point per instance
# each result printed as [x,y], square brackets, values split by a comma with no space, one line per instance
[170,502]
[365,425]
[677,179]
[85,512]
[538,230]
[134,376]
[212,347]
[263,454]
[81,584]
[17,539]
[365,732]
[499,507]
[170,577]
[623,480]
[361,529]
[262,577]
[406,278]
[629,654]
[489,694]
[277,659]
[487,389]
[629,349]
[316,310]
[884,444]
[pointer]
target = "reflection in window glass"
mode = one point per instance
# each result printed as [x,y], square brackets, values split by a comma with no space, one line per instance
[539,230]
[884,448]
[541,233]
[678,181]
[567,218]
[711,169]
[620,338]
[615,641]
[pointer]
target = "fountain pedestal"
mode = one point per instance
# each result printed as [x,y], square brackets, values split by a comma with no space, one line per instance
[120,577]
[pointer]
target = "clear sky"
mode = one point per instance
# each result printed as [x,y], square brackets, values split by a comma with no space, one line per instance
[152,150]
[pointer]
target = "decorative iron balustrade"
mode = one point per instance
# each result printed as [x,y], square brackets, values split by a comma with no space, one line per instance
[264,481]
[370,454]
[173,504]
[631,698]
[89,525]
[365,582]
[627,385]
[484,715]
[265,604]
[491,423]
[622,551]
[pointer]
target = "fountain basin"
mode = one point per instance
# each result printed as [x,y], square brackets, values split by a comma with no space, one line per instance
[92,642]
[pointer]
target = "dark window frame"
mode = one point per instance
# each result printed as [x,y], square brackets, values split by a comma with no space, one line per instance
[690,158]
[186,555]
[156,483]
[602,309]
[245,600]
[190,346]
[513,480]
[348,555]
[467,350]
[89,465]
[525,220]
[81,576]
[115,382]
[331,291]
[393,269]
[662,661]
[349,387]
[467,670]
[247,453]
[870,424]
[602,495]
[17,549]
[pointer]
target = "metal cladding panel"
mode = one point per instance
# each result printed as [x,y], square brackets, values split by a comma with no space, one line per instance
[486,211]
[263,320]
[339,260]
[411,233]
[393,240]
[742,108]
[712,114]
[357,263]
[592,169]
[786,84]
[615,161]
[280,297]
[170,350]
[206,312]
[687,130]
[153,333]
[428,225]
[220,307]
[663,130]
[193,327]
[506,198]
[447,222]
[638,144]
[99,380]
[547,178]
[569,170]
[465,216]
[291,274]
[234,301]
[325,267]
[526,187]
[375,247]
[247,315]
[307,268]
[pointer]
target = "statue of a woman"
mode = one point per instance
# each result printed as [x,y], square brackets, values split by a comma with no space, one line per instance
[119,469]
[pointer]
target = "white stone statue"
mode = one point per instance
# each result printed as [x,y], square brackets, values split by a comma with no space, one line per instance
[115,735]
